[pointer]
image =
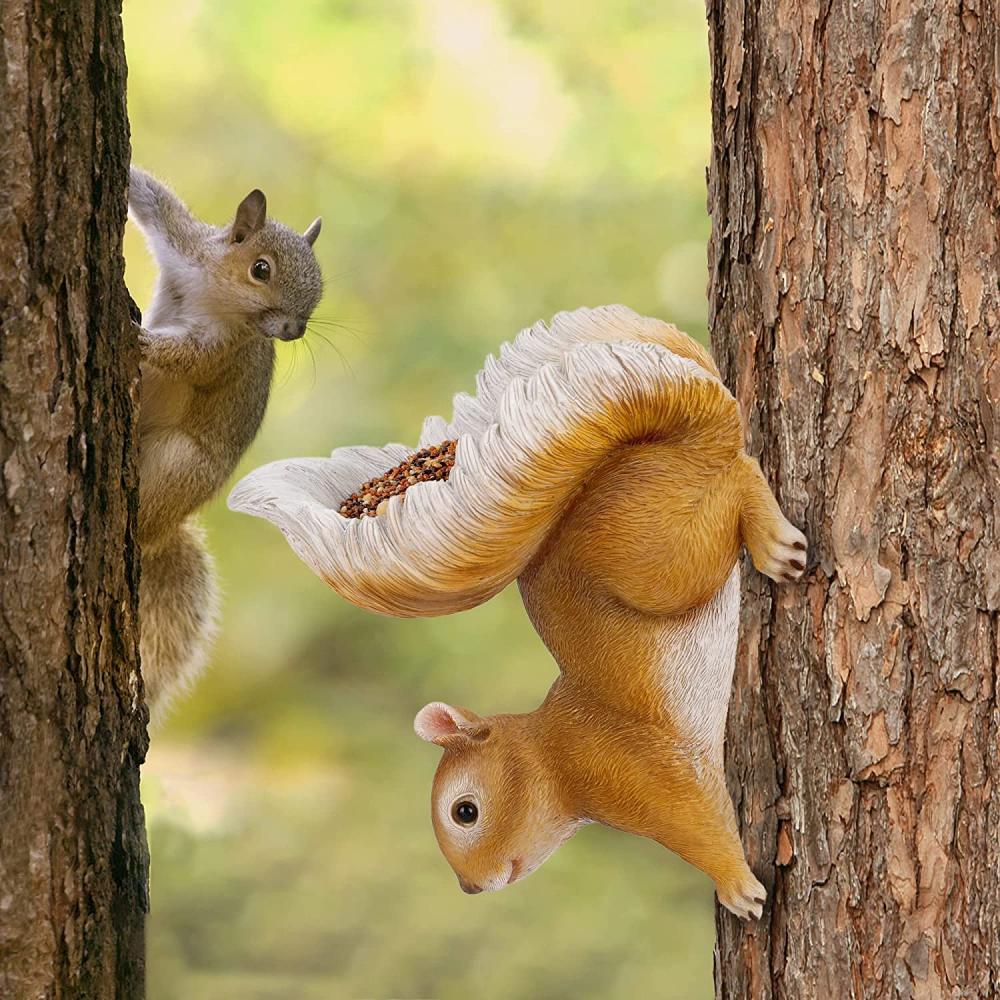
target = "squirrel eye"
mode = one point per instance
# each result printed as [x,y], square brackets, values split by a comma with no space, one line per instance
[465,813]
[260,270]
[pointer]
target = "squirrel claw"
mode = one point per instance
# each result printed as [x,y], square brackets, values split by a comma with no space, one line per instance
[783,556]
[745,899]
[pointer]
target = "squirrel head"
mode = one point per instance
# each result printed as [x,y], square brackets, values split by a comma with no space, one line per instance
[496,813]
[266,273]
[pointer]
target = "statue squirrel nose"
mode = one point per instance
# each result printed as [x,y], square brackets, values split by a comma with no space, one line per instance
[468,886]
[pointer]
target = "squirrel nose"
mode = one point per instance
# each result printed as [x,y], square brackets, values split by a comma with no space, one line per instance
[468,886]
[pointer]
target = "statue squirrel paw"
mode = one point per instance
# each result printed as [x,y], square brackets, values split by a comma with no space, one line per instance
[782,556]
[743,896]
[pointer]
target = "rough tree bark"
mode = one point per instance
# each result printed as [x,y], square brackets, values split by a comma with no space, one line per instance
[855,310]
[72,723]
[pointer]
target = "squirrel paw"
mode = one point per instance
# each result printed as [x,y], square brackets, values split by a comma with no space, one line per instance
[744,897]
[782,556]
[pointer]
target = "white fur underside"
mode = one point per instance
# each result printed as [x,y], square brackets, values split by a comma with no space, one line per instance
[697,657]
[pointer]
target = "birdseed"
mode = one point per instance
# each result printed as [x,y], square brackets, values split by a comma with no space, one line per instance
[425,466]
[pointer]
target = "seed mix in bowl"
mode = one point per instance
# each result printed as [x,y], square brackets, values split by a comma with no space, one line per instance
[424,466]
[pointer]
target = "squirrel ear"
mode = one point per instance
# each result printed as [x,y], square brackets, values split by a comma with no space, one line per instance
[439,723]
[250,215]
[313,231]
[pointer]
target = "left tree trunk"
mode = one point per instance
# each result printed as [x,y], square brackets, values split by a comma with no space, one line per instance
[72,722]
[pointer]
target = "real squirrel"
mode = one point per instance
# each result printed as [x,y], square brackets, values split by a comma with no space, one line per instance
[222,297]
[601,464]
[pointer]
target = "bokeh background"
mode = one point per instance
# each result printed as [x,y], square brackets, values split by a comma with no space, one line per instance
[478,165]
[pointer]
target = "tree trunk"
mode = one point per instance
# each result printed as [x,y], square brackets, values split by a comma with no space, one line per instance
[855,312]
[72,723]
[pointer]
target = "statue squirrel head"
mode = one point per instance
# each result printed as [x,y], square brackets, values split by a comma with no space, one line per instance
[496,809]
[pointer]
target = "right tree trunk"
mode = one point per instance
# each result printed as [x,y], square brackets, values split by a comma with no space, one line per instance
[72,720]
[855,310]
[855,313]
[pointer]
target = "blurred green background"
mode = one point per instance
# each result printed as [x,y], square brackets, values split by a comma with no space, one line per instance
[478,165]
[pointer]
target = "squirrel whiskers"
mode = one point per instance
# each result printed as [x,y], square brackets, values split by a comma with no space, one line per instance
[223,295]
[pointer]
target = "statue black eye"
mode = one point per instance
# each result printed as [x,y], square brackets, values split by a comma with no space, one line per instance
[260,270]
[465,813]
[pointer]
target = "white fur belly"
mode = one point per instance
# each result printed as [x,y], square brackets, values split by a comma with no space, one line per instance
[697,656]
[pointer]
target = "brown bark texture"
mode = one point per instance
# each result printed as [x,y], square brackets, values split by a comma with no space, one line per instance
[73,856]
[855,312]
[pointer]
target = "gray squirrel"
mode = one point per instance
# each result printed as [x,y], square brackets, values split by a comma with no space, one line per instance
[222,297]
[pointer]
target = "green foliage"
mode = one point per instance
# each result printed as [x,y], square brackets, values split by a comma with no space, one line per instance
[478,165]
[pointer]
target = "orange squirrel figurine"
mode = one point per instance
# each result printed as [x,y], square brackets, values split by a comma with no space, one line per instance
[601,464]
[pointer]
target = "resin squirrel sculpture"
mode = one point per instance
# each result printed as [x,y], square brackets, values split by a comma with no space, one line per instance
[600,464]
[223,296]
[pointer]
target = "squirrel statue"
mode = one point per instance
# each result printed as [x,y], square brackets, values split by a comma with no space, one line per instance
[222,297]
[601,465]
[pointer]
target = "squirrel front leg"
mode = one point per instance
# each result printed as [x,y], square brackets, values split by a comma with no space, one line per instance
[181,353]
[649,779]
[698,823]
[163,218]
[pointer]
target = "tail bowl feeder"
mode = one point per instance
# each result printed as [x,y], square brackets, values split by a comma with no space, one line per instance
[546,412]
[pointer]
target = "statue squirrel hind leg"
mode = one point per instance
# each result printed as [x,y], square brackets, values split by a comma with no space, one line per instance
[677,518]
[777,547]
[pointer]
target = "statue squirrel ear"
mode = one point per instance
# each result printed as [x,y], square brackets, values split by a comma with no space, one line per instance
[442,724]
[250,215]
